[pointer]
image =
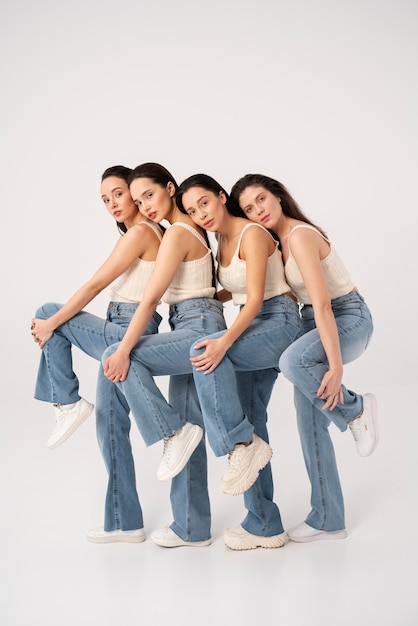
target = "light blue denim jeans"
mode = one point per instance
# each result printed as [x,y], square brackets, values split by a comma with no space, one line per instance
[168,354]
[304,363]
[243,382]
[92,335]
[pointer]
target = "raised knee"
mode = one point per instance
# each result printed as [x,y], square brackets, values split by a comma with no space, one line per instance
[46,310]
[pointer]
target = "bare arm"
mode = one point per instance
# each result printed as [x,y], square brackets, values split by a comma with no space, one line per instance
[306,252]
[171,253]
[255,247]
[126,251]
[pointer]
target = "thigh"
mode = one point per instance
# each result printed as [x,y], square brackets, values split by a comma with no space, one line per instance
[90,333]
[165,354]
[262,344]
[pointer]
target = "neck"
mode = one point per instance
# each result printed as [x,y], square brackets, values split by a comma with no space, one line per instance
[231,227]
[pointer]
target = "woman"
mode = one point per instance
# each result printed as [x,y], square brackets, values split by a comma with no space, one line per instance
[183,277]
[338,327]
[251,269]
[57,327]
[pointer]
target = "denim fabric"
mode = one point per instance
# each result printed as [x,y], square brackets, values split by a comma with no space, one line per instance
[189,489]
[58,383]
[254,358]
[168,354]
[304,363]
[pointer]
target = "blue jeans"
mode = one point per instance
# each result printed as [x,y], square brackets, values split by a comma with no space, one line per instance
[305,363]
[168,354]
[243,382]
[92,335]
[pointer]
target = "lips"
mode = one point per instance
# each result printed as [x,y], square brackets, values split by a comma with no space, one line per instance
[207,225]
[152,215]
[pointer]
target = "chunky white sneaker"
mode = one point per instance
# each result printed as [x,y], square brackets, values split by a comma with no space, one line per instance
[240,539]
[178,449]
[167,538]
[99,535]
[68,420]
[305,533]
[365,428]
[244,465]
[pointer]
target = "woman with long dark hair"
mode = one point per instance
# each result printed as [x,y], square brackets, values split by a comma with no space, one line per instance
[337,329]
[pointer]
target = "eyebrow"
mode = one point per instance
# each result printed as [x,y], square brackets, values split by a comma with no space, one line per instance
[104,195]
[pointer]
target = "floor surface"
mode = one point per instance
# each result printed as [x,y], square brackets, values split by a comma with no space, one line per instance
[50,574]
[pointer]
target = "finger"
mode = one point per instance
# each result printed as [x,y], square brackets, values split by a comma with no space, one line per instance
[201,344]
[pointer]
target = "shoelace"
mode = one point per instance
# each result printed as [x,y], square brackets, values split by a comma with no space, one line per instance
[167,449]
[59,421]
[358,429]
[234,460]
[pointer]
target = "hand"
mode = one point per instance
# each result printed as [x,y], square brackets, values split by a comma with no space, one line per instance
[330,390]
[40,331]
[116,367]
[211,357]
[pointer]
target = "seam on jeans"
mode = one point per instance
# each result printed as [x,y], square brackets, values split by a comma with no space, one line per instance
[318,467]
[113,457]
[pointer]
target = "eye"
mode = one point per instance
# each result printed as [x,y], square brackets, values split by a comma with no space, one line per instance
[138,203]
[248,209]
[191,212]
[118,194]
[262,198]
[149,195]
[106,200]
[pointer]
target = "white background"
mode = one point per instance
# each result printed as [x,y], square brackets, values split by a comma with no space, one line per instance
[319,94]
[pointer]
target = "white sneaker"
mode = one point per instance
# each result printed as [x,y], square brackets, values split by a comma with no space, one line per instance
[178,449]
[167,538]
[244,465]
[99,535]
[68,420]
[305,533]
[365,428]
[240,539]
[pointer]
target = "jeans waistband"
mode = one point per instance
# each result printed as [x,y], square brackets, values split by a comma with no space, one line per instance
[123,306]
[192,303]
[352,296]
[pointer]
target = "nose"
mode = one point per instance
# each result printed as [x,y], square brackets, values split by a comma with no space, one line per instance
[259,209]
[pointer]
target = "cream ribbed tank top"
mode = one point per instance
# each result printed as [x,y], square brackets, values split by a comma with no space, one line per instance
[130,286]
[193,279]
[337,277]
[233,277]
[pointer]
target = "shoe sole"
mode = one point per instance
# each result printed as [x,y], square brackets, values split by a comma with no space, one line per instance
[117,539]
[245,482]
[374,421]
[320,536]
[187,453]
[239,543]
[180,543]
[73,428]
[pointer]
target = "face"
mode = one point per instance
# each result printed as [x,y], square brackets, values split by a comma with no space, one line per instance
[260,206]
[206,208]
[117,199]
[154,201]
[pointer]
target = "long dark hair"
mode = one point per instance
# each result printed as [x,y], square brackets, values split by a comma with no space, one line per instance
[158,173]
[122,172]
[289,205]
[210,184]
